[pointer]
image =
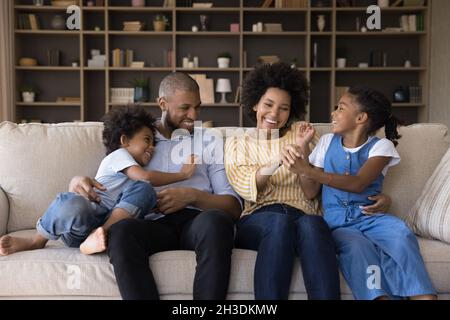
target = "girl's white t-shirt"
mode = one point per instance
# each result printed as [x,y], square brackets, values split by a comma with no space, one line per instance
[383,148]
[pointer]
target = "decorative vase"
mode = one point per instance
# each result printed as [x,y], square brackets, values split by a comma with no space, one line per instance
[28,96]
[141,94]
[159,25]
[58,22]
[138,3]
[321,22]
[383,3]
[204,22]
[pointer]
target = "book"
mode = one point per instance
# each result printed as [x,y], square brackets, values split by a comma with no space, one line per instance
[202,5]
[267,4]
[129,55]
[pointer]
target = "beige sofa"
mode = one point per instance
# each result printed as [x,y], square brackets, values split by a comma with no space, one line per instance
[37,161]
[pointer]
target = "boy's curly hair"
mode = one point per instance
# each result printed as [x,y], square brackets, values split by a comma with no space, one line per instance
[278,75]
[126,120]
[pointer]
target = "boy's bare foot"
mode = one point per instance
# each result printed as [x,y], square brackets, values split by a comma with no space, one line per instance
[95,242]
[9,245]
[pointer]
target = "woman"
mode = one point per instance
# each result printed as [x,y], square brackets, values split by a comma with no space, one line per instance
[278,220]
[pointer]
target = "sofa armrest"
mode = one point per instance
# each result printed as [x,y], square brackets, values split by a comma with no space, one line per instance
[4,212]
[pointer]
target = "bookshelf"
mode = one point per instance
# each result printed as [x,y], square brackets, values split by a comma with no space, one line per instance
[102,29]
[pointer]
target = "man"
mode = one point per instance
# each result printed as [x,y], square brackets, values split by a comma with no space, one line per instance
[195,214]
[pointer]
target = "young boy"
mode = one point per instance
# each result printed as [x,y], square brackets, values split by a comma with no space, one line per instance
[127,191]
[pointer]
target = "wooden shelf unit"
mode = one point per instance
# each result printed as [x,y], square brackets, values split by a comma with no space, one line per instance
[92,84]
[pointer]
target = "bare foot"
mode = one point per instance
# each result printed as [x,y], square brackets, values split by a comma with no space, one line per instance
[95,242]
[9,245]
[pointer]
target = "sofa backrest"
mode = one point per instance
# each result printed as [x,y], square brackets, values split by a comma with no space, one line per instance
[38,160]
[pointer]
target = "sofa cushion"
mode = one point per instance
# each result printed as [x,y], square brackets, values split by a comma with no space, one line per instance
[53,272]
[38,161]
[430,216]
[421,148]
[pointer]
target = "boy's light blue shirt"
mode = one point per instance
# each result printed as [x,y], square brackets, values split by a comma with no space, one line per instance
[209,174]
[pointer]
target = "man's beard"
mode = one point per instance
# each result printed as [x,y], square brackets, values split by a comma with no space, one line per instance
[168,123]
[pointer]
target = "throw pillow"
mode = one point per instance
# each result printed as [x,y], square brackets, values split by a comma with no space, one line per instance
[430,216]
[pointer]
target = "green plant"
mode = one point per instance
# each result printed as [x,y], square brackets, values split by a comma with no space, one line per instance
[224,55]
[29,88]
[140,82]
[341,52]
[161,17]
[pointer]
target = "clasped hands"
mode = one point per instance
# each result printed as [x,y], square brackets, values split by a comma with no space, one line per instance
[295,156]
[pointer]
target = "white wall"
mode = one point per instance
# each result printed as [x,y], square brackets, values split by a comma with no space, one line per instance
[440,63]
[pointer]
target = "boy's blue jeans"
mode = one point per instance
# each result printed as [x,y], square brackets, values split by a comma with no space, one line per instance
[280,233]
[72,217]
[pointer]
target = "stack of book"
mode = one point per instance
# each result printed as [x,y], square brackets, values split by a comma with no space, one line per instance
[415,94]
[133,26]
[28,21]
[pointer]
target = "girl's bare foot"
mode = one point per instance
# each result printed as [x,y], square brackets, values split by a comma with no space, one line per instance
[9,245]
[95,242]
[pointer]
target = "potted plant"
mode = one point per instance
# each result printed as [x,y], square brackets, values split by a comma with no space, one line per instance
[341,57]
[160,22]
[29,93]
[223,60]
[141,89]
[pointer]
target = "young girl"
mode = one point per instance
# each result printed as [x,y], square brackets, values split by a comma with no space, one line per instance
[378,255]
[124,188]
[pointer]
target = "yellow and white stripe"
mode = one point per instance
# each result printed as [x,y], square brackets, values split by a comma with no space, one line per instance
[245,155]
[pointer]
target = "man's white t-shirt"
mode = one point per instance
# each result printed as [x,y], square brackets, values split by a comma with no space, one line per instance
[383,148]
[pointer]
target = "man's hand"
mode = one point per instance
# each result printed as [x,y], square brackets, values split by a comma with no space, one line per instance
[174,199]
[84,186]
[304,133]
[382,204]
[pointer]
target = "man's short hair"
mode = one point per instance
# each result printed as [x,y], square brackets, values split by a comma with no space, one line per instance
[177,81]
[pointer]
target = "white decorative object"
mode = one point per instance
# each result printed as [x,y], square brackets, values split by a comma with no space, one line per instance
[185,62]
[196,63]
[255,27]
[191,64]
[363,65]
[122,95]
[223,86]
[407,64]
[194,28]
[341,62]
[223,63]
[28,96]
[321,22]
[260,27]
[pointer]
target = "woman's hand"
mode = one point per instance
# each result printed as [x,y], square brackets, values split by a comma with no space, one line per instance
[84,186]
[304,133]
[293,159]
[382,204]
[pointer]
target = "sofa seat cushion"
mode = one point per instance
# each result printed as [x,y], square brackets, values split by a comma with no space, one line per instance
[52,272]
